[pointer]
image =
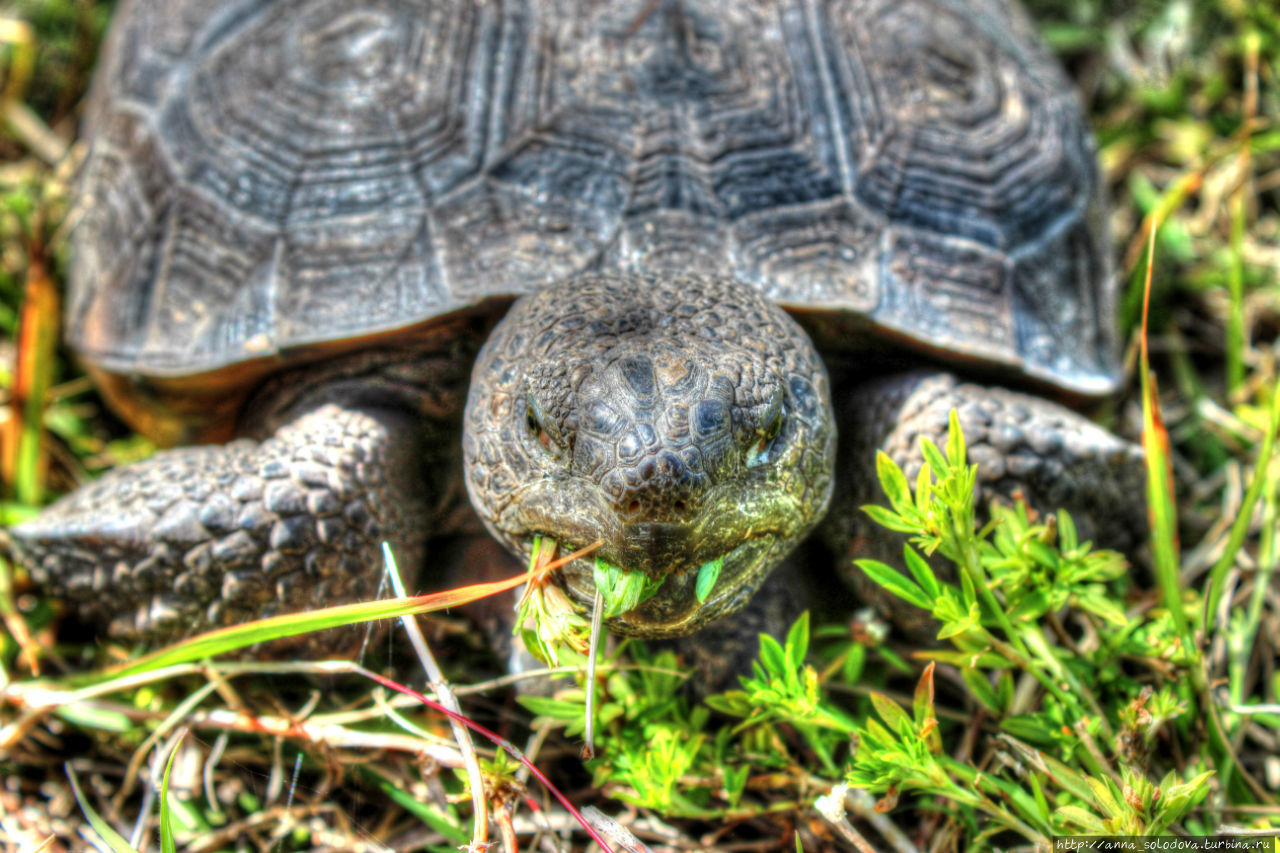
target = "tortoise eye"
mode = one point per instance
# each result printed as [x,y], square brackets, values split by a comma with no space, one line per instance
[533,423]
[774,427]
[761,450]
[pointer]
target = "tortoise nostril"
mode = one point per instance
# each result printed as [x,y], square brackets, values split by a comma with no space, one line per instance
[680,507]
[633,507]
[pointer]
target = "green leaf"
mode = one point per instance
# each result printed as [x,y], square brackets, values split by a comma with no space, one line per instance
[429,814]
[893,481]
[933,457]
[955,441]
[224,640]
[1080,786]
[1032,728]
[555,709]
[1042,553]
[533,645]
[1076,816]
[797,645]
[1178,799]
[895,582]
[1095,601]
[1031,605]
[978,685]
[921,571]
[854,661]
[1104,796]
[954,629]
[1004,689]
[1244,515]
[707,576]
[968,593]
[1161,506]
[922,700]
[890,519]
[889,711]
[773,657]
[924,489]
[876,735]
[982,660]
[948,609]
[622,590]
[84,715]
[1068,539]
[735,703]
[735,782]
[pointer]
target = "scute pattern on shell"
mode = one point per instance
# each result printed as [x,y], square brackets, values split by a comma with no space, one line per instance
[272,175]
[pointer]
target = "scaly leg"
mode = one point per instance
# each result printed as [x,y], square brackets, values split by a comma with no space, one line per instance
[201,537]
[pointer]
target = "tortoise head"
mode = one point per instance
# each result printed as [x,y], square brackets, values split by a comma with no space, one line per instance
[680,420]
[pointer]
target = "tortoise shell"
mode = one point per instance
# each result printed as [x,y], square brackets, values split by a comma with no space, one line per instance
[268,180]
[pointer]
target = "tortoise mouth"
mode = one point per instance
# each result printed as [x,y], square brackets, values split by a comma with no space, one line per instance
[675,610]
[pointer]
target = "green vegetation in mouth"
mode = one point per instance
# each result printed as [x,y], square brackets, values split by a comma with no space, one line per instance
[622,589]
[547,620]
[708,574]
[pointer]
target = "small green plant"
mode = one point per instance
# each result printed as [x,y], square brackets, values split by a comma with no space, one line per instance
[1044,797]
[783,688]
[1013,573]
[1015,576]
[651,737]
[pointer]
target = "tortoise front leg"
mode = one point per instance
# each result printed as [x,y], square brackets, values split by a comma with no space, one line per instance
[1052,456]
[206,536]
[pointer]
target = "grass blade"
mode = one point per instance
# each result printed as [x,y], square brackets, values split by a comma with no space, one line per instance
[278,627]
[1240,527]
[1239,206]
[23,459]
[1161,507]
[113,839]
[166,814]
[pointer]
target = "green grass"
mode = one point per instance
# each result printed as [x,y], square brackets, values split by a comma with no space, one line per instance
[1066,694]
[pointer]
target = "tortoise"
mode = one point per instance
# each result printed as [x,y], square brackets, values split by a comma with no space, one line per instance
[410,270]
